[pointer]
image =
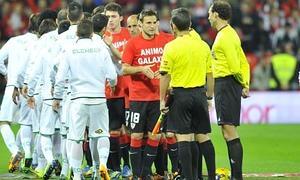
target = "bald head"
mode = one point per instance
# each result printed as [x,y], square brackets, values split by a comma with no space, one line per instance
[132,25]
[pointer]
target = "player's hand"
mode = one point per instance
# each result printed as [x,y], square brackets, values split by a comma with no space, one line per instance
[113,89]
[157,75]
[245,93]
[16,96]
[163,108]
[55,105]
[108,40]
[24,91]
[31,102]
[147,71]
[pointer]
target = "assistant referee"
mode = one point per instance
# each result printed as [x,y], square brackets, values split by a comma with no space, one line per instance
[232,74]
[186,63]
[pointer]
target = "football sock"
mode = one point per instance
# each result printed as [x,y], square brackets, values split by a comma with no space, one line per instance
[235,151]
[103,150]
[26,136]
[76,157]
[46,145]
[195,158]
[56,139]
[136,156]
[65,162]
[173,152]
[208,151]
[149,156]
[114,153]
[185,158]
[124,146]
[9,138]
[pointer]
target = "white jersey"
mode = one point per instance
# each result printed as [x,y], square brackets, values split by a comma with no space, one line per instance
[45,61]
[15,51]
[89,65]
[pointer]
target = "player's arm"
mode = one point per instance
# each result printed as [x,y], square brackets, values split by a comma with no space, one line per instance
[111,74]
[146,70]
[127,59]
[165,79]
[34,77]
[210,82]
[3,57]
[60,78]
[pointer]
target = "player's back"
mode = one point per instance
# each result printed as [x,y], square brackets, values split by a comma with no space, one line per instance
[90,65]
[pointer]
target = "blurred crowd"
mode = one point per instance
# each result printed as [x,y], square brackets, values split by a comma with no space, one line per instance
[269,30]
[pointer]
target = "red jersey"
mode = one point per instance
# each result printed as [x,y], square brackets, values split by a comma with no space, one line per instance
[141,52]
[119,40]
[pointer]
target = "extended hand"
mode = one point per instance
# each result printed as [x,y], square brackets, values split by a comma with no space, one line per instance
[16,95]
[31,102]
[147,71]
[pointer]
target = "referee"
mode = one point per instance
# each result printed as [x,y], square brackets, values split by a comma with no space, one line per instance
[231,73]
[186,63]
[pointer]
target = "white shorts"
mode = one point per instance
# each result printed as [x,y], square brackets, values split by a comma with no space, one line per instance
[26,113]
[9,111]
[95,116]
[37,114]
[48,120]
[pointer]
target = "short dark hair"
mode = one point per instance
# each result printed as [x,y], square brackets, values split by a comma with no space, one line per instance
[87,15]
[62,15]
[147,12]
[181,18]
[46,26]
[33,25]
[74,11]
[63,26]
[113,7]
[47,14]
[85,28]
[99,22]
[223,8]
[98,10]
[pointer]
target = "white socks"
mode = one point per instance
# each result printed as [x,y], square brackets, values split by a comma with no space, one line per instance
[103,149]
[46,144]
[9,138]
[65,162]
[26,136]
[56,145]
[95,155]
[76,157]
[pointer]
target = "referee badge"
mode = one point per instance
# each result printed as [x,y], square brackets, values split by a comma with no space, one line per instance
[99,131]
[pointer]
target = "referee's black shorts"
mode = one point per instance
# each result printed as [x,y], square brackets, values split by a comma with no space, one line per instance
[189,111]
[228,93]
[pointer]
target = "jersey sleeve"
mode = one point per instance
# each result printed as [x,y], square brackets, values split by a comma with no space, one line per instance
[3,56]
[128,53]
[167,62]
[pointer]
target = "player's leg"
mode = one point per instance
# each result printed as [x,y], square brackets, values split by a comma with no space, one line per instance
[8,115]
[47,130]
[79,117]
[150,151]
[99,132]
[116,110]
[228,106]
[201,127]
[137,124]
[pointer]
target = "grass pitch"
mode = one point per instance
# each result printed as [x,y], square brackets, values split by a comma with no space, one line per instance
[268,150]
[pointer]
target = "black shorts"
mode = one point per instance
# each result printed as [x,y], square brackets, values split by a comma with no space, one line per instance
[116,112]
[228,100]
[143,115]
[189,111]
